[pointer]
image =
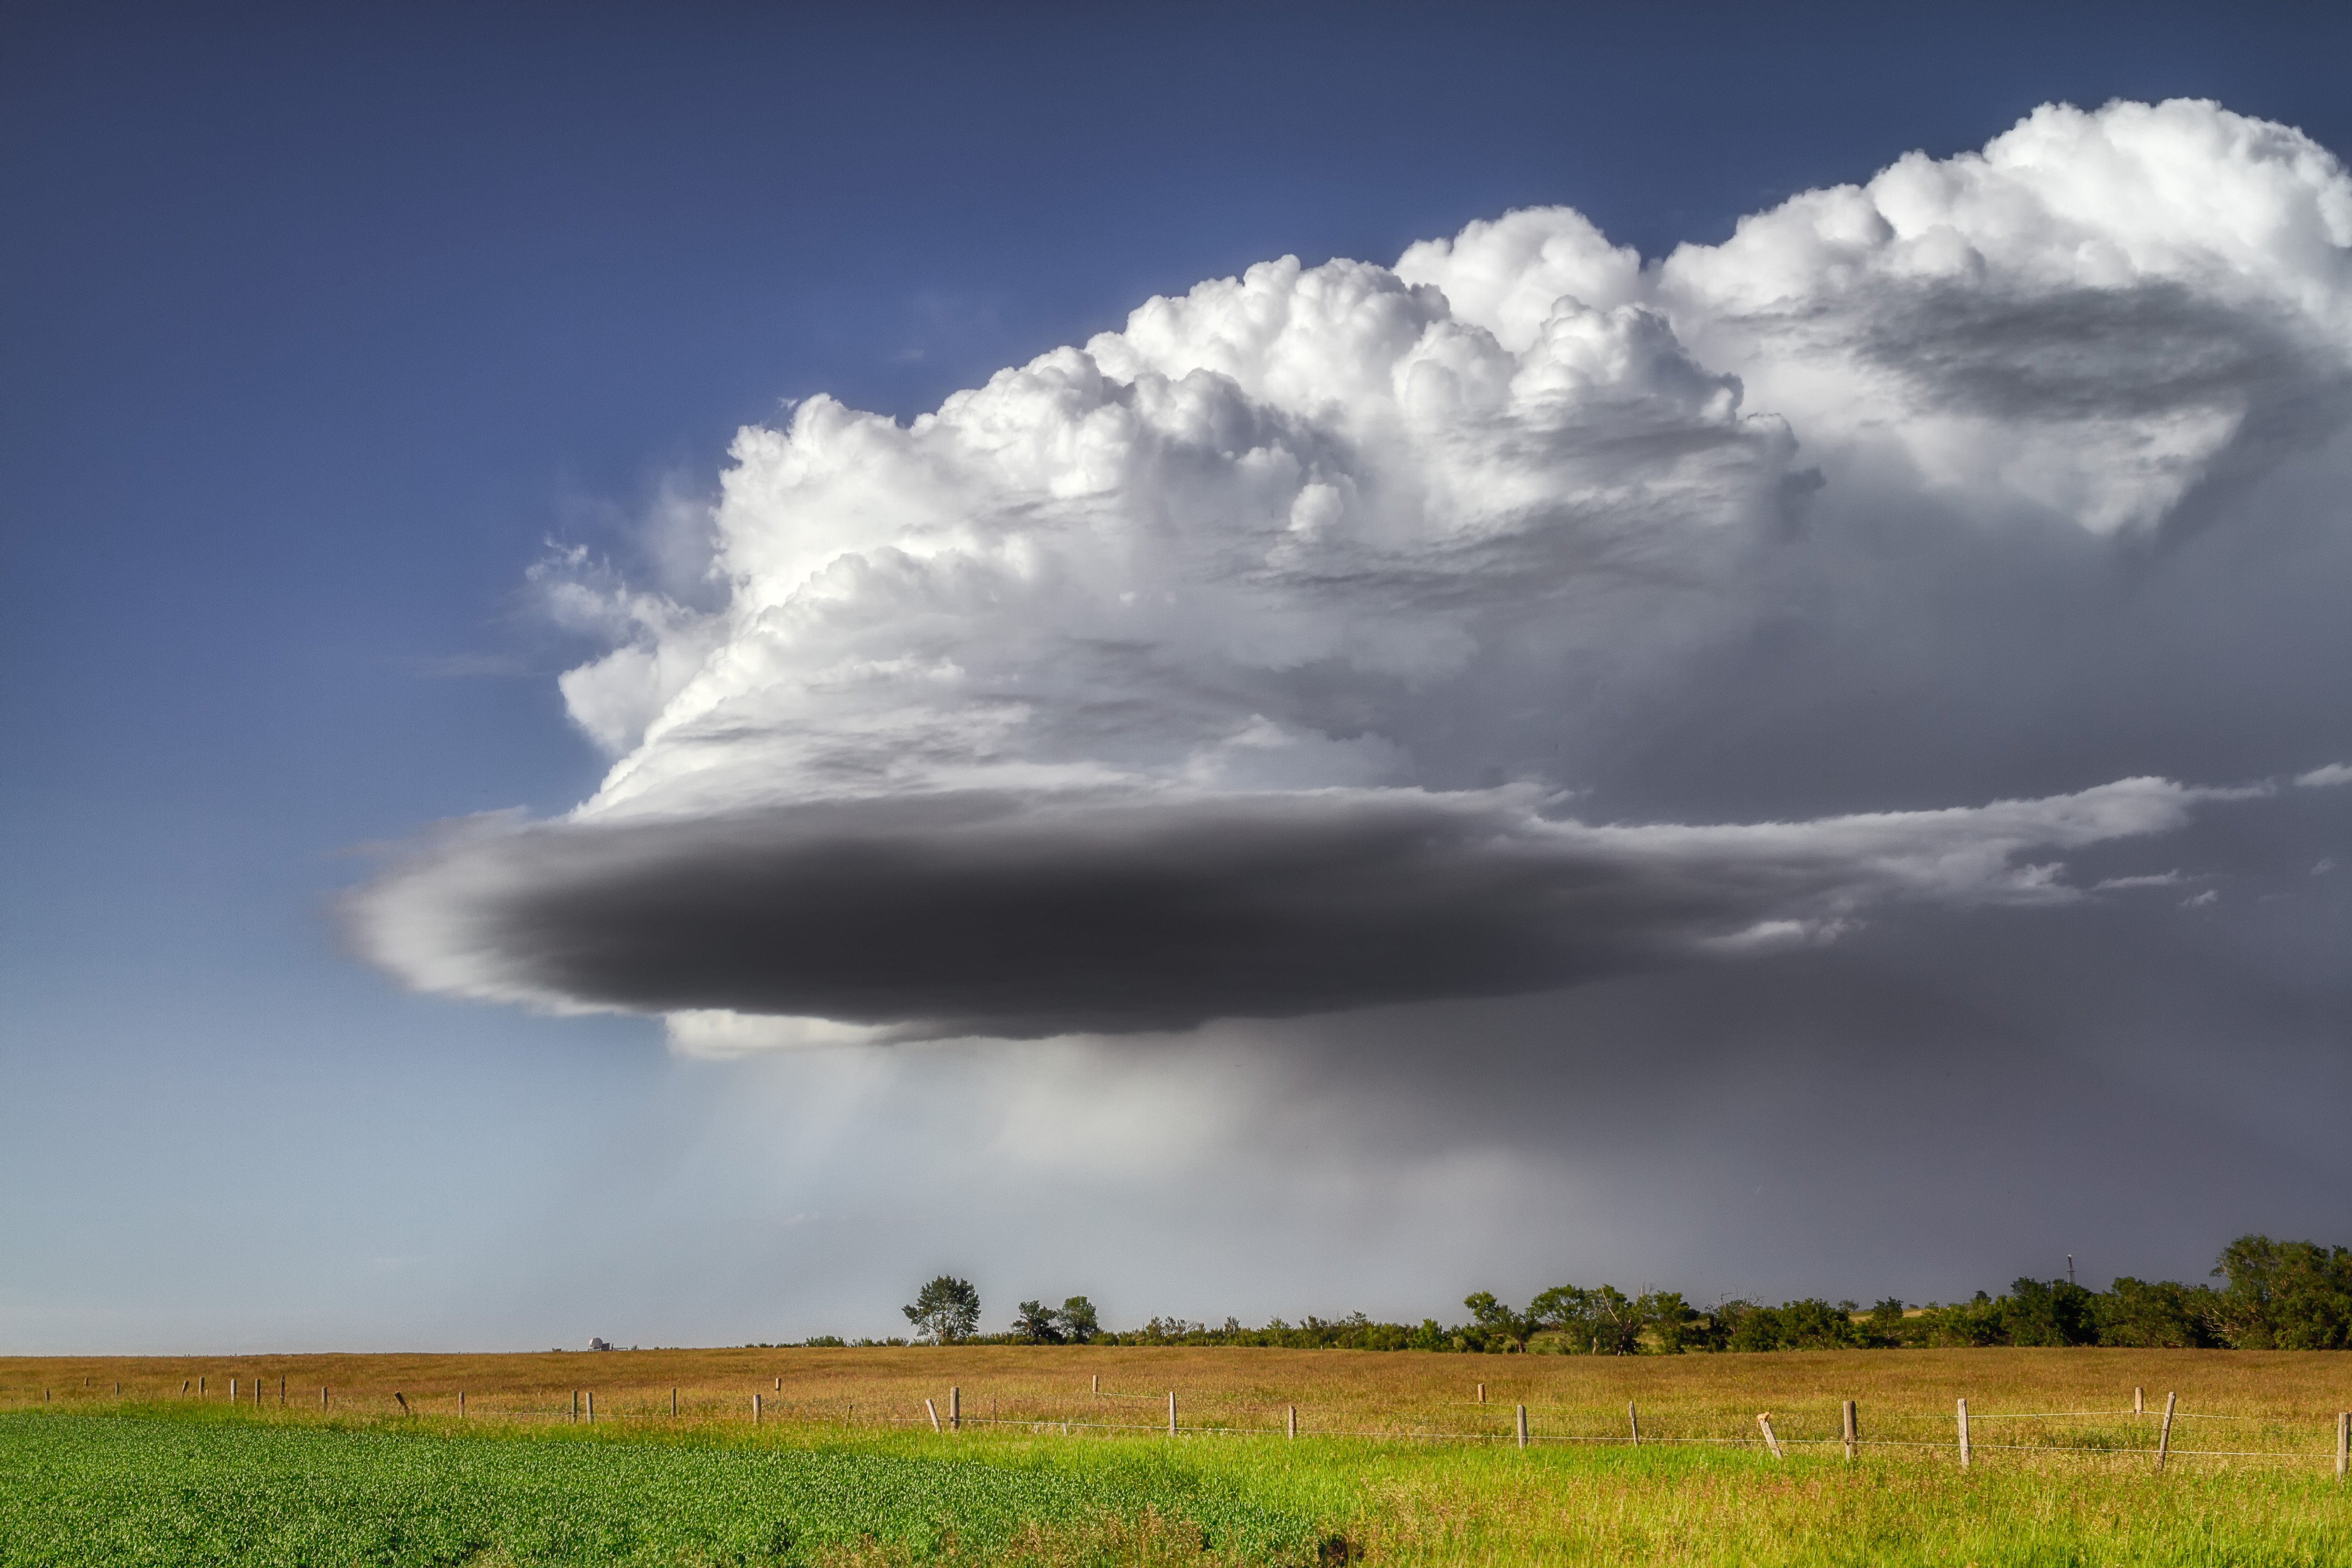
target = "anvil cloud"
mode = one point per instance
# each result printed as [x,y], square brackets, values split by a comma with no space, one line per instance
[1329,636]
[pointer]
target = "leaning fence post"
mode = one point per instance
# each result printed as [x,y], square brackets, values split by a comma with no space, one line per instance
[1852,1430]
[2343,1444]
[1523,1426]
[1964,1434]
[2164,1433]
[955,1409]
[1172,1413]
[1291,1422]
[1765,1421]
[934,1414]
[1634,1420]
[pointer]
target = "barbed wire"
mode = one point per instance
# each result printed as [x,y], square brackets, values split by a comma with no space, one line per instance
[845,1410]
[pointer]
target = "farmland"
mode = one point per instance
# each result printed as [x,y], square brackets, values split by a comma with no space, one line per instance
[1398,1457]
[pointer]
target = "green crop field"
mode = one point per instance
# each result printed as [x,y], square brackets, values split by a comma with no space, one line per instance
[166,1488]
[844,1467]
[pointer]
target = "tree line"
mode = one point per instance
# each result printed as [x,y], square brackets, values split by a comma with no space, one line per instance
[2271,1295]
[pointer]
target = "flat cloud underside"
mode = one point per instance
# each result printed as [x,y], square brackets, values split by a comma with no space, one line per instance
[988,914]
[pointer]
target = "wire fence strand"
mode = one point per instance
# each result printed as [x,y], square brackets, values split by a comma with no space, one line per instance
[779,1410]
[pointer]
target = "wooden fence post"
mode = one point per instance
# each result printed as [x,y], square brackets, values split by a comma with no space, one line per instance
[323,1397]
[1481,1393]
[1852,1430]
[1291,1421]
[673,1401]
[955,1409]
[461,1404]
[1765,1421]
[1098,1382]
[2140,1400]
[591,1407]
[2343,1445]
[575,1404]
[232,1391]
[755,1411]
[200,1384]
[281,1391]
[2164,1433]
[1634,1420]
[1523,1426]
[1964,1434]
[1172,1413]
[934,1414]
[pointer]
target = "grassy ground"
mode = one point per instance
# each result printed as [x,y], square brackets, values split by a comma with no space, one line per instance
[1019,1491]
[180,1487]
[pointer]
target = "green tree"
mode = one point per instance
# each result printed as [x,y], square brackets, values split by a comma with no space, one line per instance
[945,1310]
[1614,1321]
[1670,1321]
[1495,1326]
[1811,1324]
[1038,1324]
[1078,1323]
[2283,1295]
[1886,1325]
[2158,1315]
[1976,1322]
[2057,1312]
[1602,1321]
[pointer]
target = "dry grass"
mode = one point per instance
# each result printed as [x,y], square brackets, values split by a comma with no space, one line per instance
[2274,1400]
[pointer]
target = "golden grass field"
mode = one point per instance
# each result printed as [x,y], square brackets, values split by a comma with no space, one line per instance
[1906,1396]
[1366,1463]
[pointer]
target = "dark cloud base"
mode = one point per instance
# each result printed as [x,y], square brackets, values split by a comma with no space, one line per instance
[985,914]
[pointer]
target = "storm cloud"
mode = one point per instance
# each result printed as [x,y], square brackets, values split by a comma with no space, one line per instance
[995,914]
[1515,617]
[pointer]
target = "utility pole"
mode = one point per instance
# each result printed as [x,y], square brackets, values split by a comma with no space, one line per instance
[2070,1268]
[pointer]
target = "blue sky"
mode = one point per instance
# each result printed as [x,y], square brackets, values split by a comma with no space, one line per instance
[324,327]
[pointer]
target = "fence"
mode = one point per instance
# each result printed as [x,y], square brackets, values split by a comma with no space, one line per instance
[2150,1433]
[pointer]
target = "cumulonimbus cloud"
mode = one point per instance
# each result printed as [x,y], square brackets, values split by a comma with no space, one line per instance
[1238,663]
